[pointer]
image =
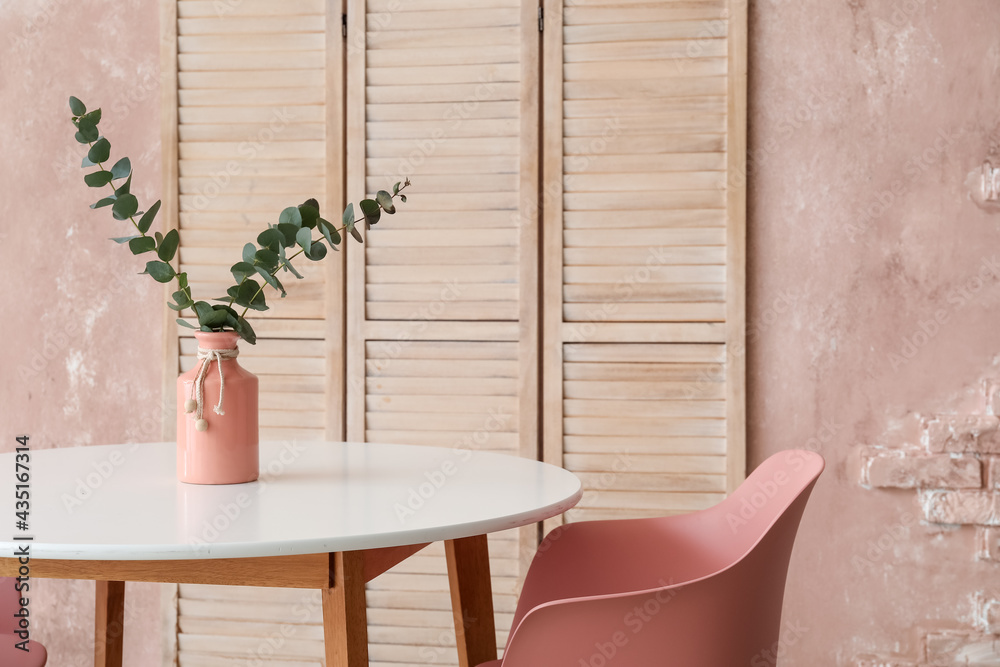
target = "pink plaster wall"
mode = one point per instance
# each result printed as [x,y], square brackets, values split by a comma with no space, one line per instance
[847,100]
[850,104]
[81,334]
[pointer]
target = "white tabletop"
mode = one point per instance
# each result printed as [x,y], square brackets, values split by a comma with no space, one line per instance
[123,502]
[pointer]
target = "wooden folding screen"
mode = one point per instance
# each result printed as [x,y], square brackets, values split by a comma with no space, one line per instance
[564,283]
[256,125]
[644,242]
[442,301]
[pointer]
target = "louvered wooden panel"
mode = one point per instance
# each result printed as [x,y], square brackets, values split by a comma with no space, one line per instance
[442,298]
[644,427]
[254,133]
[644,140]
[453,122]
[252,139]
[462,395]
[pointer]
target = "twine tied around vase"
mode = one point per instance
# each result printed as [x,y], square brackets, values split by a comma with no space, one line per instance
[197,404]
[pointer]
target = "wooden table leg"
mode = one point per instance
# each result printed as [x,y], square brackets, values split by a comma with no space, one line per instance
[345,613]
[472,600]
[109,623]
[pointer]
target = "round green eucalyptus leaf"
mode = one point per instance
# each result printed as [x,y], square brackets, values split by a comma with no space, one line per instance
[304,239]
[310,214]
[161,271]
[271,238]
[141,244]
[348,217]
[384,200]
[77,107]
[100,151]
[288,230]
[202,309]
[329,232]
[371,211]
[122,168]
[241,270]
[182,299]
[97,179]
[249,250]
[267,258]
[246,291]
[214,319]
[87,132]
[245,331]
[291,215]
[168,246]
[316,252]
[125,206]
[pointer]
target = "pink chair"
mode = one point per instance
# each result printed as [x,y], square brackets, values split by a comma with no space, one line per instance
[10,656]
[694,590]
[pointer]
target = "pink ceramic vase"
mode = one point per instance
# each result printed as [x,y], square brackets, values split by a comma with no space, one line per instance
[218,443]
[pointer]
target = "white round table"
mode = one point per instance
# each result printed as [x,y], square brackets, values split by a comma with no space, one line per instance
[322,515]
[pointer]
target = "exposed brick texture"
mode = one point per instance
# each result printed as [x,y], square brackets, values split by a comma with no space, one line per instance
[961,507]
[993,475]
[964,433]
[959,650]
[941,471]
[956,473]
[988,615]
[988,543]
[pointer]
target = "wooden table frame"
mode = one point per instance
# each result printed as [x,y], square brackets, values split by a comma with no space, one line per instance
[341,577]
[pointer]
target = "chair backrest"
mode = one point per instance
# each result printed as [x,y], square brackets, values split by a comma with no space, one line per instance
[10,602]
[716,601]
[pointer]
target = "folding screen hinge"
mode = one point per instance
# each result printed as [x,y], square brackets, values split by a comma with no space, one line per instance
[541,19]
[343,25]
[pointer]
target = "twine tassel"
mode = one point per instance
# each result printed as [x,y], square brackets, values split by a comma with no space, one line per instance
[197,403]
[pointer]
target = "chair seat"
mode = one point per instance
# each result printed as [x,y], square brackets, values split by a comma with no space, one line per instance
[491,663]
[35,656]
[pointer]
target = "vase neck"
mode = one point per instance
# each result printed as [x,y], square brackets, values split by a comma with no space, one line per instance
[217,340]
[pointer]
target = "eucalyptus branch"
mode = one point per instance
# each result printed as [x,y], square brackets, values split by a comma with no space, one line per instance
[382,202]
[263,259]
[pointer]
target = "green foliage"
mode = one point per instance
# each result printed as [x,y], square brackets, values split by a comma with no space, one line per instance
[384,200]
[124,207]
[100,151]
[121,169]
[276,247]
[141,244]
[147,218]
[161,271]
[76,106]
[372,211]
[168,246]
[97,179]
